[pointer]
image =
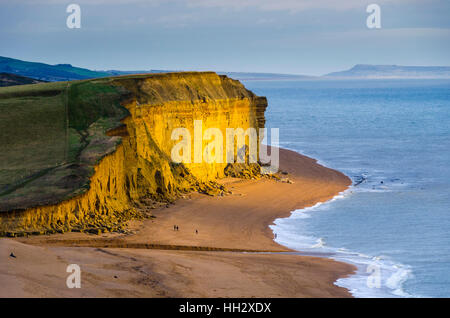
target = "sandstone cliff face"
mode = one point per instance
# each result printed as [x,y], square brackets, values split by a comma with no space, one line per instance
[141,168]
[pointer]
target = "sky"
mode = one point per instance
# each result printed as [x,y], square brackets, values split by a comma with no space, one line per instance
[311,37]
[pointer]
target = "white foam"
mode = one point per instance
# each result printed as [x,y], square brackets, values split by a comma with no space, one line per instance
[392,275]
[320,243]
[396,280]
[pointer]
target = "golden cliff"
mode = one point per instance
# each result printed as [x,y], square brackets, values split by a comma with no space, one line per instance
[138,169]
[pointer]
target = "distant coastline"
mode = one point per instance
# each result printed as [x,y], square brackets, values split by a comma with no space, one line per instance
[366,71]
[67,72]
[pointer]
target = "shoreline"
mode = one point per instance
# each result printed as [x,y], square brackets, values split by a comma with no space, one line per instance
[239,221]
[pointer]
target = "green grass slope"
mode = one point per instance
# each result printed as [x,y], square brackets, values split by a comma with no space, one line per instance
[52,136]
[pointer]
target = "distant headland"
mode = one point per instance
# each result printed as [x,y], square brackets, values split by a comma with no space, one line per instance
[67,72]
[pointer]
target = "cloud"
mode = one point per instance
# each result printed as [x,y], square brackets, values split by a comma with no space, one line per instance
[360,39]
[292,5]
[264,5]
[392,33]
[90,2]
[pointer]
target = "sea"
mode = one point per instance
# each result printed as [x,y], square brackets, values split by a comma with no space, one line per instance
[392,138]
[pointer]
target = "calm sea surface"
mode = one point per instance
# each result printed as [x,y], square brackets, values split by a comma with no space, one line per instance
[393,138]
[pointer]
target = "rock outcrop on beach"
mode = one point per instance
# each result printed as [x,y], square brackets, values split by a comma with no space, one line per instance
[114,160]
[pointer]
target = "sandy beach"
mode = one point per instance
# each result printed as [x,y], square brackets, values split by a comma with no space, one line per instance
[156,261]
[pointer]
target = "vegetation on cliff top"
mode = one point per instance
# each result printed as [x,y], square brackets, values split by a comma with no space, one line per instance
[56,135]
[45,129]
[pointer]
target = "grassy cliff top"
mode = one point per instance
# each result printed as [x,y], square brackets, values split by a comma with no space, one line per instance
[53,134]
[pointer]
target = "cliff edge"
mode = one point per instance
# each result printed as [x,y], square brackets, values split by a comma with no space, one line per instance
[86,155]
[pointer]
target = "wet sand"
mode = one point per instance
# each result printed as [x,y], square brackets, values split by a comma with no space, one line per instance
[157,261]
